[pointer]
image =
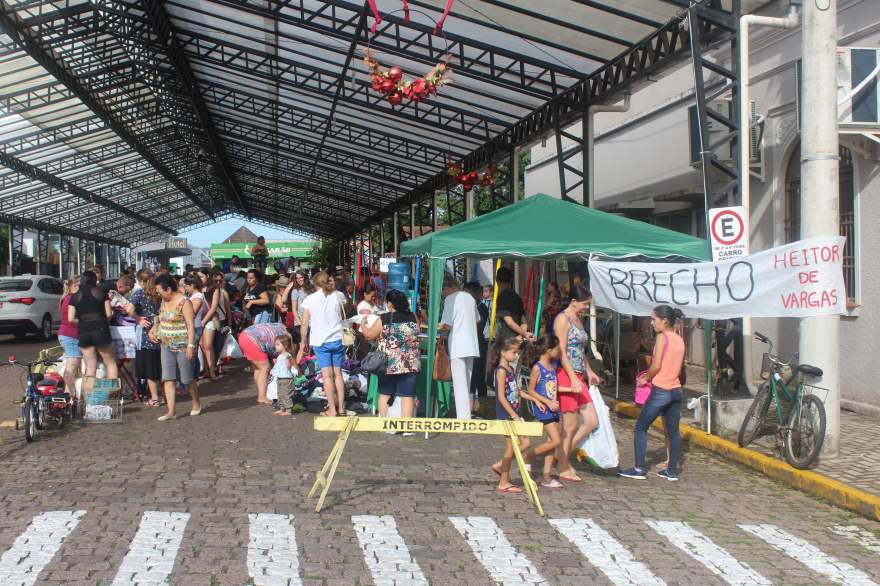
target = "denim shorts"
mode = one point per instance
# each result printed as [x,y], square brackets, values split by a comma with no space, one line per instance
[71,347]
[330,354]
[399,385]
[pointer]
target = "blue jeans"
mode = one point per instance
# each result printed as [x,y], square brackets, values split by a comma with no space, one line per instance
[668,404]
[264,317]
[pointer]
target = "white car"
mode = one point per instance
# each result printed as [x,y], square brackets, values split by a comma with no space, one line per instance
[29,304]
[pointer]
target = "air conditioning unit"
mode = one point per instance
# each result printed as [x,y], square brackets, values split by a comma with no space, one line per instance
[854,65]
[718,133]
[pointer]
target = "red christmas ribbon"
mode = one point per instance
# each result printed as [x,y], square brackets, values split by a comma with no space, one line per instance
[377,18]
[446,10]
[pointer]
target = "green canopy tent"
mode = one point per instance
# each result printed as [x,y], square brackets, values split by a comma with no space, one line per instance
[542,227]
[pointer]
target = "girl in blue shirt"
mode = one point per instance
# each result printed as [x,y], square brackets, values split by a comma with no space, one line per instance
[543,387]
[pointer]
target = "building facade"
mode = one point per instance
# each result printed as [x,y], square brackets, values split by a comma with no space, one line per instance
[644,168]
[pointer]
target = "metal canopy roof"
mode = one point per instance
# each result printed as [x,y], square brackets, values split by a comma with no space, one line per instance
[129,119]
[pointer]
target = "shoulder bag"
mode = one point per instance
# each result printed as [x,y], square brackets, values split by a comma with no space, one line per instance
[348,335]
[442,364]
[376,360]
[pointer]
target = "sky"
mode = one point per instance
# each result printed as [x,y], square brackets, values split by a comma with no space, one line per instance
[205,236]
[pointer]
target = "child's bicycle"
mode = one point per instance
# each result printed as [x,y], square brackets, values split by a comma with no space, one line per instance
[800,415]
[45,398]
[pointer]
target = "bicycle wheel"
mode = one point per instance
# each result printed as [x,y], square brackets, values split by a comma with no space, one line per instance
[754,421]
[40,407]
[805,433]
[30,421]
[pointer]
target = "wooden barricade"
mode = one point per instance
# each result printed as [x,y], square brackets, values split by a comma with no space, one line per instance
[346,425]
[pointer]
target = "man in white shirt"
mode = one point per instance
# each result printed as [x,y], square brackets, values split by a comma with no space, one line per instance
[321,330]
[460,320]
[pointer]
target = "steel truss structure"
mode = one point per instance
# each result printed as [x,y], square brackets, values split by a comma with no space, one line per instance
[126,120]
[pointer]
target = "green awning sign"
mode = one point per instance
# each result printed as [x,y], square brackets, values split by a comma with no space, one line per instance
[294,248]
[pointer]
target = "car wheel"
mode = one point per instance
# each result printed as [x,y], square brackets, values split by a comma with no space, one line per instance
[45,332]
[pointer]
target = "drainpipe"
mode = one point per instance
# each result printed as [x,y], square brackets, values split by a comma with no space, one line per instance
[791,21]
[591,187]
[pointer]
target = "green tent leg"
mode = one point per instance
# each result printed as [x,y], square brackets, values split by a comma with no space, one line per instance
[373,392]
[435,286]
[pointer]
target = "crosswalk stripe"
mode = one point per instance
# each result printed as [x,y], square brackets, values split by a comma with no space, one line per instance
[272,555]
[151,555]
[503,562]
[861,536]
[809,555]
[705,551]
[385,552]
[606,553]
[22,563]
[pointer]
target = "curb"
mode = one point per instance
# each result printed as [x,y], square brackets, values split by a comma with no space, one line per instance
[837,492]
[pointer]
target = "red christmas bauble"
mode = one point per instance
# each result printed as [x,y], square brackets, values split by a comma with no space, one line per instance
[395,98]
[388,86]
[394,74]
[473,177]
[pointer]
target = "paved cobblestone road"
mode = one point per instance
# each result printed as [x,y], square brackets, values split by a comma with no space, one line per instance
[220,499]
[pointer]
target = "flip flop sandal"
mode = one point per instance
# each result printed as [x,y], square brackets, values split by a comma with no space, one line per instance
[512,489]
[553,484]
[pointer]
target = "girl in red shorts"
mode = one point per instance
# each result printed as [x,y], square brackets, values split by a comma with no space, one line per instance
[578,412]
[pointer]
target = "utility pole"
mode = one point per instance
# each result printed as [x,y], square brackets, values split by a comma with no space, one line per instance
[820,336]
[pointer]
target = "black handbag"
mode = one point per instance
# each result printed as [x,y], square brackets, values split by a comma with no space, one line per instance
[374,362]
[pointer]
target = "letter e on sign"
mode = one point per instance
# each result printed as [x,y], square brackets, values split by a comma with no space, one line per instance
[728,229]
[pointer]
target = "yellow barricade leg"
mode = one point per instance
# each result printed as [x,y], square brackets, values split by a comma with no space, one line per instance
[528,484]
[325,476]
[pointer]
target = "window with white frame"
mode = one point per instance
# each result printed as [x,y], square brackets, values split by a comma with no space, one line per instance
[848,215]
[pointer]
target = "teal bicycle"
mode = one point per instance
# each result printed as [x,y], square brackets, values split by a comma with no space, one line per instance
[799,415]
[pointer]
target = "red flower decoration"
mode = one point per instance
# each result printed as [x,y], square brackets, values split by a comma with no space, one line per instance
[394,85]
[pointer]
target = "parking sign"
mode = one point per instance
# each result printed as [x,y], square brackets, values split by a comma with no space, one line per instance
[729,229]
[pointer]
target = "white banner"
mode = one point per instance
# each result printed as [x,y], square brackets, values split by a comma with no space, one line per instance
[801,279]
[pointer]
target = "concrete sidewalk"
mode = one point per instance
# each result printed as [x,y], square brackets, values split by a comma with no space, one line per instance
[850,479]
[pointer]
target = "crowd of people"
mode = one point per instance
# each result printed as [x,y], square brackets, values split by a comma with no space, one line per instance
[284,322]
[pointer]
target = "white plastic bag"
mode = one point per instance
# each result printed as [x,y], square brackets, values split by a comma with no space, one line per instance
[272,389]
[600,447]
[231,348]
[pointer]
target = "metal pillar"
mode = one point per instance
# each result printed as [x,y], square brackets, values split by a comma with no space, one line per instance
[434,218]
[61,238]
[571,178]
[9,250]
[395,239]
[721,180]
[17,247]
[412,221]
[513,186]
[820,336]
[38,253]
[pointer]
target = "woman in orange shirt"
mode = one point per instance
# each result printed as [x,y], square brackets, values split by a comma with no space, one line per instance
[666,396]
